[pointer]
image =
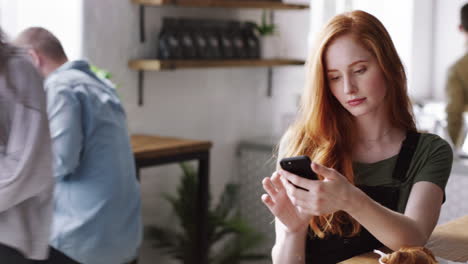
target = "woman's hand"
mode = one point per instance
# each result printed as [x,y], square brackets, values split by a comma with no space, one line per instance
[290,218]
[326,196]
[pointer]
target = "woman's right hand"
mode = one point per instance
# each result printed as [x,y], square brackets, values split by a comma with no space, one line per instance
[277,200]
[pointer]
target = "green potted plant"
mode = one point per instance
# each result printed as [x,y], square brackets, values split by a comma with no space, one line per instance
[265,28]
[225,227]
[269,39]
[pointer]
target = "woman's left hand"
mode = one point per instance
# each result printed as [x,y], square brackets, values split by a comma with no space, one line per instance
[326,196]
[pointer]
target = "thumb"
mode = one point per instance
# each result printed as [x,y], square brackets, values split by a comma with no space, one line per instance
[323,171]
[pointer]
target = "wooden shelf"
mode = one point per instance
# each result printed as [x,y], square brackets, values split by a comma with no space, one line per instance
[160,65]
[222,4]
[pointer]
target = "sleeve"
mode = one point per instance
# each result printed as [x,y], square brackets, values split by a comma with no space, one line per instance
[25,159]
[438,166]
[65,121]
[455,105]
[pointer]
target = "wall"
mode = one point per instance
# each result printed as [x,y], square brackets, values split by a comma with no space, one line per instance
[222,105]
[421,84]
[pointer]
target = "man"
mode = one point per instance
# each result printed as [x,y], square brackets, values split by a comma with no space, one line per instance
[97,214]
[457,87]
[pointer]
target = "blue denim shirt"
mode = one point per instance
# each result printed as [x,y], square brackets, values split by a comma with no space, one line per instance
[97,205]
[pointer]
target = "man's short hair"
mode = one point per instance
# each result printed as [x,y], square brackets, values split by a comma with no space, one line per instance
[43,41]
[464,17]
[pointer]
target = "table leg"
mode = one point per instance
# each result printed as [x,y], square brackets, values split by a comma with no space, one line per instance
[203,196]
[137,172]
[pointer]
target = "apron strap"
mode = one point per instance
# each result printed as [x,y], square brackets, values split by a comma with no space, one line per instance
[405,156]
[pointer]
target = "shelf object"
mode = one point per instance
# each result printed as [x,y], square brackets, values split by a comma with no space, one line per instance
[168,65]
[161,65]
[222,4]
[213,4]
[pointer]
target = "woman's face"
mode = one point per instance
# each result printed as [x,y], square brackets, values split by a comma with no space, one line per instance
[354,77]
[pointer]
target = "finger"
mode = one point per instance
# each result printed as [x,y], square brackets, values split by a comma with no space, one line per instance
[294,179]
[293,192]
[270,204]
[287,185]
[266,199]
[278,182]
[299,202]
[274,175]
[269,187]
[322,170]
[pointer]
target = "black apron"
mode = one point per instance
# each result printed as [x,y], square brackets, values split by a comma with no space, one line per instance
[333,249]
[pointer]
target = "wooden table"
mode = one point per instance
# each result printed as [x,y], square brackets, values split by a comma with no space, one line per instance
[448,241]
[155,150]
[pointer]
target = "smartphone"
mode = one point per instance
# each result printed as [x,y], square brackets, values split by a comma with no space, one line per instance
[299,165]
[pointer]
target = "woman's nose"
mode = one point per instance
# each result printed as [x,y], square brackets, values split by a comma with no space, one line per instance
[349,86]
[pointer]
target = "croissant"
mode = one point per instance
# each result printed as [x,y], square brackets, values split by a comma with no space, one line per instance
[408,255]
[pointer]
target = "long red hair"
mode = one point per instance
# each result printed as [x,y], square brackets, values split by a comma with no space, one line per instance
[323,129]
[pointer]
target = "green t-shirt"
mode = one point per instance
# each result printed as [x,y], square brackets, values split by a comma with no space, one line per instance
[432,162]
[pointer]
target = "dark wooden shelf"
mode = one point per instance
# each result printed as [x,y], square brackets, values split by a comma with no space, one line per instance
[222,4]
[161,65]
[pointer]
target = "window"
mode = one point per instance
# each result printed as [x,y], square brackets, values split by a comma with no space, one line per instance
[63,18]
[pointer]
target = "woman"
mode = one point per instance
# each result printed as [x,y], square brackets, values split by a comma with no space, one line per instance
[381,181]
[26,181]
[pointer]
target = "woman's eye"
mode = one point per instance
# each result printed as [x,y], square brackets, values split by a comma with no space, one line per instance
[335,78]
[362,70]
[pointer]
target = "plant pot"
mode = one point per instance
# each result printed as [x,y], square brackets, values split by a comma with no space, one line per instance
[270,47]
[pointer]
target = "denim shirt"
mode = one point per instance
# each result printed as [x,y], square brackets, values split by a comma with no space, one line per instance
[97,205]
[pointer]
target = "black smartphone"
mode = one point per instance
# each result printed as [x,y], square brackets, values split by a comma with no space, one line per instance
[299,165]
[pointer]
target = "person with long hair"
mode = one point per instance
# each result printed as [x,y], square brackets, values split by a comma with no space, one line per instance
[26,178]
[380,181]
